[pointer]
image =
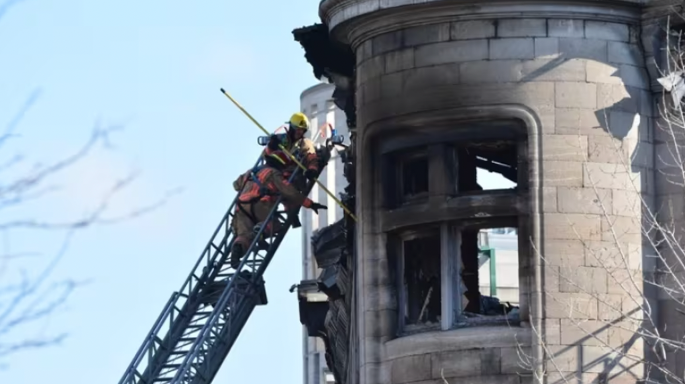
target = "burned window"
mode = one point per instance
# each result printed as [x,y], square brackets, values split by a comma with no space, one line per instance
[487,165]
[419,274]
[484,278]
[413,177]
[444,200]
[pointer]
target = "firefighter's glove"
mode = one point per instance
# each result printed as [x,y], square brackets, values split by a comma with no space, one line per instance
[310,174]
[274,141]
[318,206]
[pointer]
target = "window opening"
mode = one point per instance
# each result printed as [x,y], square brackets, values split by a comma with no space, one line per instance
[489,270]
[490,165]
[422,292]
[414,178]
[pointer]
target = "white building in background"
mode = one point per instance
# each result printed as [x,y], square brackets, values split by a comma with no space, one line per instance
[317,103]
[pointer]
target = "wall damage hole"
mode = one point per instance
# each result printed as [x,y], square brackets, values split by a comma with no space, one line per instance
[422,295]
[489,165]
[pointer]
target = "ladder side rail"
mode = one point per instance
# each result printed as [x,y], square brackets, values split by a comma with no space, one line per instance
[148,343]
[129,375]
[221,304]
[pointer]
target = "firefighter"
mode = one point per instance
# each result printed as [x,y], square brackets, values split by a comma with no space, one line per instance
[302,148]
[259,191]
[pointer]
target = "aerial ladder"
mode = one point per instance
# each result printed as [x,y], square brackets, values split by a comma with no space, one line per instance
[195,331]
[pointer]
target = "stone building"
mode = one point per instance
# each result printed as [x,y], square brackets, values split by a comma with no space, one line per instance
[560,98]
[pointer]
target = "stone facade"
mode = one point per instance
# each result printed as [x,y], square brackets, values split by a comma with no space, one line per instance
[576,78]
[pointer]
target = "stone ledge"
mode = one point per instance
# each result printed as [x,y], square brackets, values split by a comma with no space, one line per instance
[348,19]
[458,339]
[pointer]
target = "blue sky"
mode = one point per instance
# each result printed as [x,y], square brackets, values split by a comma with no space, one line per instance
[155,66]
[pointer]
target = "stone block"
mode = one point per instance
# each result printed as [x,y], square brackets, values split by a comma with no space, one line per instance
[626,203]
[550,278]
[629,283]
[451,52]
[610,308]
[381,298]
[369,91]
[591,49]
[564,147]
[607,149]
[584,332]
[464,363]
[607,31]
[371,68]
[379,323]
[625,53]
[399,60]
[634,76]
[566,28]
[583,200]
[364,51]
[546,47]
[612,254]
[587,280]
[549,199]
[460,363]
[575,95]
[551,332]
[424,77]
[602,73]
[618,97]
[611,176]
[556,174]
[621,229]
[572,226]
[495,71]
[472,29]
[482,379]
[570,305]
[553,70]
[517,360]
[513,48]
[522,28]
[568,252]
[392,84]
[425,34]
[387,42]
[410,369]
[578,121]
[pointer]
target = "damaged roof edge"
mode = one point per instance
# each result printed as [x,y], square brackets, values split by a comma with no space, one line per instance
[325,55]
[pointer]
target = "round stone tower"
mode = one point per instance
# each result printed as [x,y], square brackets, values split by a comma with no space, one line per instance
[553,95]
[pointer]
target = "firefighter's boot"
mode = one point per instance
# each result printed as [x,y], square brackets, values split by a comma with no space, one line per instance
[237,253]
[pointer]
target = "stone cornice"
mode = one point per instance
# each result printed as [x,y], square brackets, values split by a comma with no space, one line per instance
[353,21]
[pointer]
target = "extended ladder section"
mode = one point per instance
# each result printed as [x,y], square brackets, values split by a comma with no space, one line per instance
[200,323]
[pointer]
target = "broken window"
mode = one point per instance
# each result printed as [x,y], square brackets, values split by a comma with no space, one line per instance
[484,277]
[413,177]
[421,292]
[453,205]
[487,165]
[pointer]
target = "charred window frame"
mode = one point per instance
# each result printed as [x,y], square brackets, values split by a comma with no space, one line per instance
[452,212]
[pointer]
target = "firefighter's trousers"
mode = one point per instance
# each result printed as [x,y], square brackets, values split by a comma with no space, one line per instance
[247,216]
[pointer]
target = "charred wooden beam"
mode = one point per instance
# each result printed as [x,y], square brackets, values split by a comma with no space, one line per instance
[486,205]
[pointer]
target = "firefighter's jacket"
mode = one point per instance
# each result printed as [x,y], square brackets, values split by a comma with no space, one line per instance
[302,149]
[270,183]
